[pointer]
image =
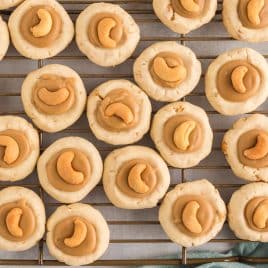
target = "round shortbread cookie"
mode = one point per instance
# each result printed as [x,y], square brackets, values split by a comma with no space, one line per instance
[5,4]
[4,35]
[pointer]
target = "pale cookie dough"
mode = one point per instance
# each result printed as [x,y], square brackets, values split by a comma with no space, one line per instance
[242,102]
[31,50]
[247,215]
[67,189]
[135,177]
[110,47]
[188,19]
[49,121]
[5,4]
[24,198]
[183,75]
[4,35]
[195,141]
[251,27]
[17,167]
[192,213]
[115,128]
[231,138]
[88,214]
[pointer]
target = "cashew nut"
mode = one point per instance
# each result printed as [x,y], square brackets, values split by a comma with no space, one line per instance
[190,5]
[12,150]
[189,217]
[237,78]
[120,110]
[104,29]
[12,221]
[53,97]
[169,74]
[135,180]
[260,150]
[66,171]
[254,8]
[79,234]
[260,215]
[182,134]
[44,26]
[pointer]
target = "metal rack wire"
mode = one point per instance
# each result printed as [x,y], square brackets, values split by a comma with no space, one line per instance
[143,13]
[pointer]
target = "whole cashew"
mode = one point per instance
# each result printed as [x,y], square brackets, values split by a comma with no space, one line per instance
[189,217]
[104,29]
[182,134]
[260,150]
[66,171]
[190,5]
[120,110]
[12,150]
[44,26]
[166,73]
[53,97]
[254,8]
[12,222]
[260,215]
[79,234]
[237,78]
[135,180]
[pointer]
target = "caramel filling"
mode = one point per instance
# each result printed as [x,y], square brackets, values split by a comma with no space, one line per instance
[137,178]
[168,70]
[106,30]
[253,13]
[75,236]
[69,170]
[17,221]
[194,215]
[256,213]
[118,111]
[41,26]
[252,148]
[54,94]
[190,8]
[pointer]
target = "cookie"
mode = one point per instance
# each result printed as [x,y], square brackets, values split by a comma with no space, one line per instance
[246,20]
[182,134]
[22,217]
[106,34]
[192,213]
[19,148]
[167,71]
[246,147]
[69,169]
[4,34]
[237,81]
[54,97]
[5,4]
[135,177]
[247,212]
[119,112]
[40,29]
[184,16]
[77,234]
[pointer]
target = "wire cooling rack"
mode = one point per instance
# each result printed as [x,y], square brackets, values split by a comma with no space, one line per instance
[136,236]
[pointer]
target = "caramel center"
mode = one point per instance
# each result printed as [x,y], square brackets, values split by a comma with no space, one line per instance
[189,8]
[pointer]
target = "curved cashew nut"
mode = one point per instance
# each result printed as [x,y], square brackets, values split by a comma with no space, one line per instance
[44,26]
[182,134]
[12,221]
[237,78]
[104,29]
[53,97]
[190,5]
[260,215]
[189,217]
[120,110]
[166,73]
[135,181]
[260,150]
[254,8]
[79,234]
[12,150]
[66,171]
